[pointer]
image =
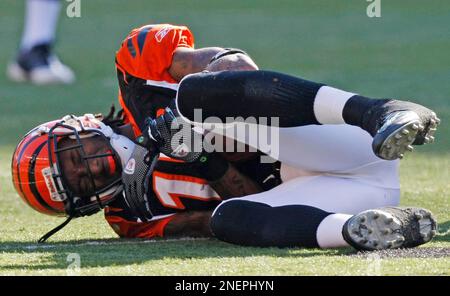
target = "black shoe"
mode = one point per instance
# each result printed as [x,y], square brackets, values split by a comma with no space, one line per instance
[399,125]
[389,228]
[39,66]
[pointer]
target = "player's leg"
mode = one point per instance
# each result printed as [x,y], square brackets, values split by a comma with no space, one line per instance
[35,61]
[331,193]
[331,149]
[290,207]
[298,102]
[321,212]
[41,19]
[251,223]
[317,148]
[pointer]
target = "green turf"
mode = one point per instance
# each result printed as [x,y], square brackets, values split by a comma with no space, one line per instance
[403,54]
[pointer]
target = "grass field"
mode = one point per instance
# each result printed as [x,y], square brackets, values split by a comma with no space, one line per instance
[403,54]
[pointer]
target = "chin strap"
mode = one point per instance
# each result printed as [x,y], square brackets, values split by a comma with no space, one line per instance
[54,230]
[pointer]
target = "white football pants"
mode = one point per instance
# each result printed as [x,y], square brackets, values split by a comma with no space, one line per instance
[330,167]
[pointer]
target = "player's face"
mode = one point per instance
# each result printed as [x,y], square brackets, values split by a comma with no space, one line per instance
[75,169]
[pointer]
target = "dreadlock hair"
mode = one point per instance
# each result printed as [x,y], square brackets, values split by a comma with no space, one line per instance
[113,119]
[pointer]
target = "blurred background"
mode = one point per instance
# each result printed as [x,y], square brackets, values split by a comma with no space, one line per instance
[402,54]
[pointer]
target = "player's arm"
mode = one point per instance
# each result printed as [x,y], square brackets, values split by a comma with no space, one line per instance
[196,223]
[234,184]
[187,61]
[186,224]
[230,183]
[182,224]
[189,224]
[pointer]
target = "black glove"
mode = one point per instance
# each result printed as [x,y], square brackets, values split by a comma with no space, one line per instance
[175,138]
[172,136]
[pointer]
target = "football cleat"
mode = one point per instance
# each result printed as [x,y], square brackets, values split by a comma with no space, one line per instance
[402,125]
[389,228]
[39,66]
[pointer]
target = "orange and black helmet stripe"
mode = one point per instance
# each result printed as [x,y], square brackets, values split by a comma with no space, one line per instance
[32,178]
[19,158]
[27,182]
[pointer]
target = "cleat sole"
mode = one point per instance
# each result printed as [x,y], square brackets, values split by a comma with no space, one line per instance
[393,228]
[396,138]
[396,144]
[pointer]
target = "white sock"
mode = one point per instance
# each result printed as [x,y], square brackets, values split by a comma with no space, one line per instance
[329,104]
[329,232]
[41,18]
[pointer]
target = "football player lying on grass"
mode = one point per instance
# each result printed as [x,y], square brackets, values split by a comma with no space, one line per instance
[173,198]
[78,165]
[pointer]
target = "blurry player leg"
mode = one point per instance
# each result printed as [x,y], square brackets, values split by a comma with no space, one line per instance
[35,61]
[307,211]
[298,102]
[41,18]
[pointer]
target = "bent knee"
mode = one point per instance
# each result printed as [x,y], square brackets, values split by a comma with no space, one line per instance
[240,222]
[251,223]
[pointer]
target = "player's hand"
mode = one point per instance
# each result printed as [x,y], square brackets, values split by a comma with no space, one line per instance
[172,136]
[175,138]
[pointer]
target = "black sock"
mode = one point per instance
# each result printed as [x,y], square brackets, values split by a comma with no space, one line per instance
[256,224]
[363,112]
[249,94]
[266,94]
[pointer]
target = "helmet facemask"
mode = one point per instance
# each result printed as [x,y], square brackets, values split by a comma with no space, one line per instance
[77,203]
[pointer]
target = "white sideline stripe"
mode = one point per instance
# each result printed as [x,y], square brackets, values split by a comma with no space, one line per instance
[329,104]
[96,243]
[165,84]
